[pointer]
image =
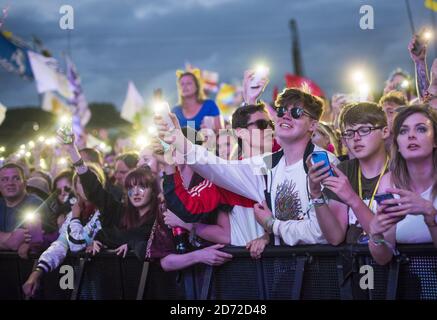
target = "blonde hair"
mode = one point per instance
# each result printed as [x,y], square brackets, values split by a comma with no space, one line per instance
[200,95]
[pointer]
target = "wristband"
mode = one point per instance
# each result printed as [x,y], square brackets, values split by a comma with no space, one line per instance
[78,163]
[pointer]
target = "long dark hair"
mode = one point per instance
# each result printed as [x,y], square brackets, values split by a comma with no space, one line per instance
[400,176]
[145,178]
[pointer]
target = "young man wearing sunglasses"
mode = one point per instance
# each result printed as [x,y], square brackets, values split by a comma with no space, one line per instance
[254,129]
[238,227]
[278,182]
[364,131]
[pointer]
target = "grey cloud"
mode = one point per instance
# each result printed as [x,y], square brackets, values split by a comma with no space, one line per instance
[114,41]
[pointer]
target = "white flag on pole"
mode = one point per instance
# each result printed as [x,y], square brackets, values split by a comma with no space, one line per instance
[2,113]
[47,77]
[132,103]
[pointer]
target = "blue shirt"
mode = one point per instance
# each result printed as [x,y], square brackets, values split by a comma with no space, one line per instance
[11,218]
[209,108]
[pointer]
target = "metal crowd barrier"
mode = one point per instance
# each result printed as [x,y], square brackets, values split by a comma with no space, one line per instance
[301,272]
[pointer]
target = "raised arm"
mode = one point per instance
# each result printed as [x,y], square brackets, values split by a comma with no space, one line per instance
[419,59]
[239,177]
[93,189]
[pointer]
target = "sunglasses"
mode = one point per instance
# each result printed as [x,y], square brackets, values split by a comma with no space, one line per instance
[65,189]
[262,124]
[295,112]
[139,189]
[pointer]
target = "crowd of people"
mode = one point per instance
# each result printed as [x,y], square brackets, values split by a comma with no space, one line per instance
[275,174]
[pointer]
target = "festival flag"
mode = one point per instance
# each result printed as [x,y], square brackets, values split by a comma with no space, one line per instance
[228,98]
[13,55]
[2,113]
[210,80]
[52,103]
[81,112]
[294,81]
[47,75]
[431,4]
[133,103]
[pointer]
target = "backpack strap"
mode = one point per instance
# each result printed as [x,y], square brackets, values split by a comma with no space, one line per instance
[308,150]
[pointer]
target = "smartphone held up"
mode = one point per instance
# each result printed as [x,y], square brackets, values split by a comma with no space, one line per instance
[319,156]
[261,72]
[65,131]
[162,108]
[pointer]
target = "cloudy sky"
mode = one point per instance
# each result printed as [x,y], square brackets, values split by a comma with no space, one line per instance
[115,41]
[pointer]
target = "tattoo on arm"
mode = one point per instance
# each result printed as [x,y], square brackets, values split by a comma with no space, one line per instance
[422,81]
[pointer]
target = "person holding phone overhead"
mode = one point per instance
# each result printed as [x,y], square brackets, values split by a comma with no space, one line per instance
[278,181]
[345,214]
[412,216]
[193,107]
[418,49]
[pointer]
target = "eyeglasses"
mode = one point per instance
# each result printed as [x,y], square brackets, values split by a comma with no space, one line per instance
[295,112]
[261,124]
[362,131]
[139,189]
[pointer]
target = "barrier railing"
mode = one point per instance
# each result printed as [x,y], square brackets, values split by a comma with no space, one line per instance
[301,272]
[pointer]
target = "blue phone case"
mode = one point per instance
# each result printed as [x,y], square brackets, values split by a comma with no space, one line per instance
[318,156]
[384,196]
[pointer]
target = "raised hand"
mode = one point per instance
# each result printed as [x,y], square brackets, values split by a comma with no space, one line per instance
[251,93]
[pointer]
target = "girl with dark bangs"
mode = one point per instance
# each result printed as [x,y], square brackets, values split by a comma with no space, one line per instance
[137,223]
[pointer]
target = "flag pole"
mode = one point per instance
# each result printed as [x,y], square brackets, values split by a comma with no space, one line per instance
[69,42]
[410,17]
[434,30]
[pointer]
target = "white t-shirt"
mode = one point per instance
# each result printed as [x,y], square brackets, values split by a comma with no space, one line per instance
[413,228]
[287,186]
[296,222]
[244,226]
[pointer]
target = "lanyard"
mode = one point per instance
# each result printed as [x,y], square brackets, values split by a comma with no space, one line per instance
[360,188]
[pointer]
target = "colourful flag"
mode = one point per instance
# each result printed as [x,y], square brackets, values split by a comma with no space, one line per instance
[13,55]
[431,4]
[78,102]
[210,80]
[52,103]
[294,81]
[228,98]
[133,103]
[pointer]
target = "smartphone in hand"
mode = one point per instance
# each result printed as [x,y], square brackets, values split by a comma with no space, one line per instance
[422,40]
[34,227]
[318,156]
[384,196]
[162,108]
[260,73]
[66,132]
